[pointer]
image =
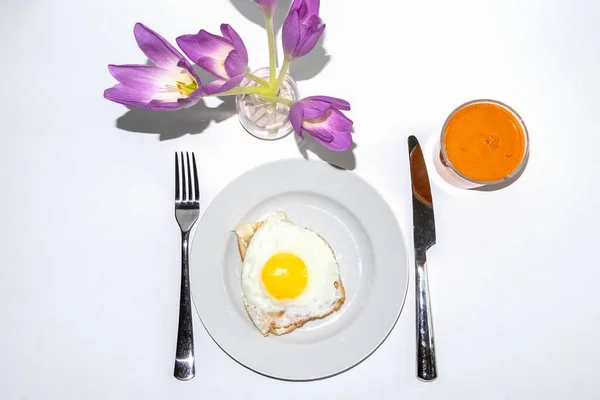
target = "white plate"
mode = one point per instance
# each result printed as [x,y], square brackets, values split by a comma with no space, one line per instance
[365,237]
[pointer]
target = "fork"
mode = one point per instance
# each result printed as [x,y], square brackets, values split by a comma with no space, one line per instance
[187,211]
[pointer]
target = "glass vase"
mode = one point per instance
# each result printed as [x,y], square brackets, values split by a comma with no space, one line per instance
[267,120]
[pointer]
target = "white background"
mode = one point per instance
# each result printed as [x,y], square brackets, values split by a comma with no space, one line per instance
[89,250]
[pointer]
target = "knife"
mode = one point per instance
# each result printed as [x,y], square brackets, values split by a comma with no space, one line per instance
[424,238]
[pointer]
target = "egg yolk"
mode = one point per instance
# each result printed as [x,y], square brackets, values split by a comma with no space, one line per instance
[284,276]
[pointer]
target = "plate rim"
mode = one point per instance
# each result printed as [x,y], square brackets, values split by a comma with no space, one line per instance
[403,291]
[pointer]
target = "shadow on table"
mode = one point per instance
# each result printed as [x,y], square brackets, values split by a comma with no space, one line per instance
[174,124]
[310,65]
[338,159]
[302,69]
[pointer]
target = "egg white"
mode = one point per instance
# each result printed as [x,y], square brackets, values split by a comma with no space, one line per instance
[278,235]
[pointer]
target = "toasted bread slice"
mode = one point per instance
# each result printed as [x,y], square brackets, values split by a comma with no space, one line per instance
[244,233]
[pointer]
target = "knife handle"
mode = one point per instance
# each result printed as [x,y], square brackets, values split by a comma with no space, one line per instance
[426,365]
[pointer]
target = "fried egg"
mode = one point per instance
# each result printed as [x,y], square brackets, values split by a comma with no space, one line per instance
[290,275]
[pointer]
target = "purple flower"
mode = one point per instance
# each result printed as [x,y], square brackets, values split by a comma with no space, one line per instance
[321,117]
[223,56]
[302,28]
[268,6]
[170,84]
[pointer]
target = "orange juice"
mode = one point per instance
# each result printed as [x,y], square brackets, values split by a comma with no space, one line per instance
[484,141]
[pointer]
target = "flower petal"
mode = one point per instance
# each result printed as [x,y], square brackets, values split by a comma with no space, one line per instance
[158,105]
[221,85]
[336,102]
[143,78]
[322,135]
[214,86]
[184,63]
[213,45]
[334,132]
[234,65]
[151,100]
[155,47]
[213,51]
[125,95]
[308,7]
[232,83]
[312,22]
[190,46]
[301,7]
[296,115]
[315,108]
[213,66]
[232,36]
[193,98]
[295,5]
[290,32]
[313,6]
[309,42]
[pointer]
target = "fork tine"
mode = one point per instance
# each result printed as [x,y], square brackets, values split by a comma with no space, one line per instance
[189,174]
[196,188]
[183,179]
[176,177]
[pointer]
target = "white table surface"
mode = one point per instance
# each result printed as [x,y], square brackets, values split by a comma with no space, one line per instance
[89,250]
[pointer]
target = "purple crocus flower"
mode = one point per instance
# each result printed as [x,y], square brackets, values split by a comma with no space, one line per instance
[170,84]
[223,56]
[321,117]
[268,6]
[302,28]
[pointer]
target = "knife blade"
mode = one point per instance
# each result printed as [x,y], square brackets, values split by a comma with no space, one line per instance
[424,238]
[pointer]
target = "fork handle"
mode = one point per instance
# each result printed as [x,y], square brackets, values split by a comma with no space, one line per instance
[185,366]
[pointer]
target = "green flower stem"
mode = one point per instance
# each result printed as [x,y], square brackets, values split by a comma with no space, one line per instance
[244,90]
[257,79]
[284,69]
[278,99]
[261,93]
[272,48]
